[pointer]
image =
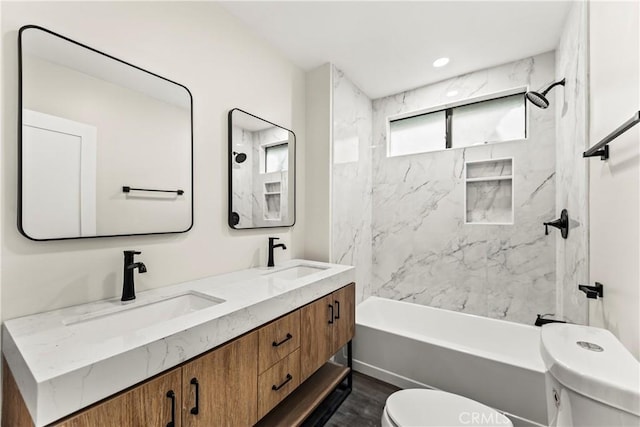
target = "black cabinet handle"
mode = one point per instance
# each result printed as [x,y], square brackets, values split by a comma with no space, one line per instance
[171,395]
[331,316]
[337,303]
[195,409]
[278,387]
[277,344]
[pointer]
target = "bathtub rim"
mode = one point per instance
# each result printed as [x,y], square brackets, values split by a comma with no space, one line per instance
[540,368]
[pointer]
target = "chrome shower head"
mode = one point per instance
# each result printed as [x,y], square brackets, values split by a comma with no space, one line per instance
[539,99]
[240,157]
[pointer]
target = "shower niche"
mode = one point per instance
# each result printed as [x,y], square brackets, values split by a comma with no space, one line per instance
[489,192]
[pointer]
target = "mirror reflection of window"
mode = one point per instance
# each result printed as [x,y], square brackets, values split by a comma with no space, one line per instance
[276,158]
[261,189]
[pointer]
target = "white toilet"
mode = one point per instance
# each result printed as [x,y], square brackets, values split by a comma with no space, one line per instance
[434,408]
[592,379]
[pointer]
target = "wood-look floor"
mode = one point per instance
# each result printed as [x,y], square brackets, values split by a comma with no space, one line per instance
[364,406]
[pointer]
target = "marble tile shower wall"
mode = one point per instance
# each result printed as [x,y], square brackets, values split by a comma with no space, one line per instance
[243,176]
[351,180]
[572,179]
[423,251]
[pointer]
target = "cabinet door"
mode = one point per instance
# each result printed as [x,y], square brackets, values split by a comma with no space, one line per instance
[147,405]
[225,384]
[344,302]
[316,335]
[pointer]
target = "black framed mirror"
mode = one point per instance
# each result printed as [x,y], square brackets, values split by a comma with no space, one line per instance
[105,147]
[262,173]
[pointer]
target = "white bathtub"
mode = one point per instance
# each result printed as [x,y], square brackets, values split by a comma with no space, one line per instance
[494,362]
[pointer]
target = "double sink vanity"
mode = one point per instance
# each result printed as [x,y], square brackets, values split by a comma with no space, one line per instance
[244,348]
[222,350]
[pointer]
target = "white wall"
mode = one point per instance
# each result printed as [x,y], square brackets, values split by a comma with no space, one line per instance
[318,164]
[203,47]
[615,184]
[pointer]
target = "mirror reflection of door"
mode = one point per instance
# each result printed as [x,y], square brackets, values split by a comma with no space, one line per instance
[59,180]
[142,131]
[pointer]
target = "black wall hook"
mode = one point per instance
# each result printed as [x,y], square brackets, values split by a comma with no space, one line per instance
[561,224]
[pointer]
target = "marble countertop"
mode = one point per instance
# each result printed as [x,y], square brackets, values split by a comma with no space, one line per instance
[62,365]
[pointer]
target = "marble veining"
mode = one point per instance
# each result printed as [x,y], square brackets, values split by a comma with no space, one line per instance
[411,209]
[489,202]
[572,178]
[423,251]
[351,194]
[60,369]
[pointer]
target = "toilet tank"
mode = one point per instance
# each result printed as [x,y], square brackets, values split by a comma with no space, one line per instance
[592,379]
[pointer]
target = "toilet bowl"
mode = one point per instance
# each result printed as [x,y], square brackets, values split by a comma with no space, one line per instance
[434,408]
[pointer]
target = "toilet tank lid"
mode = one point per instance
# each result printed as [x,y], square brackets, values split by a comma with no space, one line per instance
[593,362]
[431,408]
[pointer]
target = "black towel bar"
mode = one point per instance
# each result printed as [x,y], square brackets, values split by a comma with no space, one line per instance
[602,148]
[127,189]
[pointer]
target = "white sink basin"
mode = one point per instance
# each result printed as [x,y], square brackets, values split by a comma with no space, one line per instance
[129,317]
[296,272]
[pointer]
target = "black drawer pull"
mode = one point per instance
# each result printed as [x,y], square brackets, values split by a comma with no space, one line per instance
[278,387]
[277,344]
[195,409]
[331,317]
[337,303]
[171,395]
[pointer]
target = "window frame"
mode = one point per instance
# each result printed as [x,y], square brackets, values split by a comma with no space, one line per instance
[448,109]
[266,148]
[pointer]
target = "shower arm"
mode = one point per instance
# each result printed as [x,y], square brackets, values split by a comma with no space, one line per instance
[561,83]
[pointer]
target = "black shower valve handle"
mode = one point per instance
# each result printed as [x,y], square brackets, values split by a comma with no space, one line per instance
[561,224]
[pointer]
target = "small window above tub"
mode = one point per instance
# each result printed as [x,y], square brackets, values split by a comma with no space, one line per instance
[276,157]
[480,121]
[417,134]
[489,192]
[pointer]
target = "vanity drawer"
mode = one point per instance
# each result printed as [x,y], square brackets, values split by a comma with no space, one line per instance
[277,340]
[277,382]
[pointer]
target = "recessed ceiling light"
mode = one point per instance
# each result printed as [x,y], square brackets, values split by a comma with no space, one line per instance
[441,62]
[452,93]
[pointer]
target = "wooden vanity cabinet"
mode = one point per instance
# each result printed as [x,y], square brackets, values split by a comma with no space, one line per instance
[344,326]
[220,388]
[153,403]
[326,325]
[235,384]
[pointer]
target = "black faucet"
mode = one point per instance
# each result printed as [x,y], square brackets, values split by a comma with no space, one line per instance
[128,289]
[271,248]
[593,292]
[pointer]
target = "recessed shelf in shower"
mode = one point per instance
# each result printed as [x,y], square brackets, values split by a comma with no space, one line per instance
[272,201]
[489,192]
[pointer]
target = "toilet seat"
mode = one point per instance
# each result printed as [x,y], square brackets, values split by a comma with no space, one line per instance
[434,408]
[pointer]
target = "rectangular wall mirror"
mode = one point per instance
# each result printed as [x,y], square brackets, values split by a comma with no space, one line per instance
[262,173]
[105,147]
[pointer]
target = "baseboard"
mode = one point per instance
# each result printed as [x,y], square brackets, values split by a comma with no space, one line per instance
[387,376]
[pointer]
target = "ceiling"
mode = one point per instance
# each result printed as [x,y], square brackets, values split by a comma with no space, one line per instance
[386,47]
